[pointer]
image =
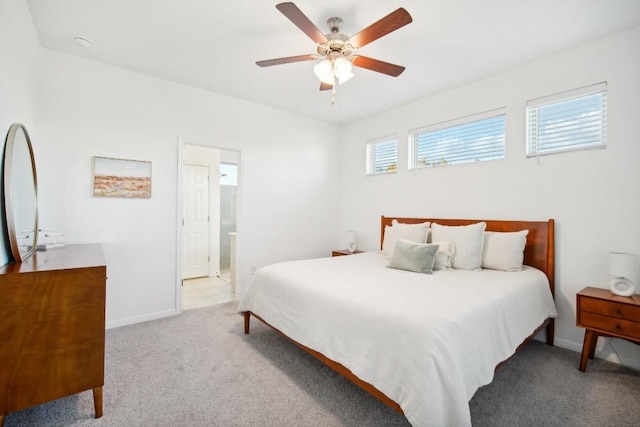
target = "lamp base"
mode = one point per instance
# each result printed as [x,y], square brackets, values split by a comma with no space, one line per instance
[621,286]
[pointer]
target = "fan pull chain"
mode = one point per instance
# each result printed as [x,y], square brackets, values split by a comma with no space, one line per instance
[333,90]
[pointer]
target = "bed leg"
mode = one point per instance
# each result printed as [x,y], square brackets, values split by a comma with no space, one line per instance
[550,331]
[247,317]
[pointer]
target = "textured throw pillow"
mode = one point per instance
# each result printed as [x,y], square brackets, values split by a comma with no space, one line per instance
[504,251]
[468,241]
[444,256]
[397,230]
[411,256]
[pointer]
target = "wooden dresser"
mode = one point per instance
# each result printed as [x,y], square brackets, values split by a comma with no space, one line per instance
[602,313]
[52,327]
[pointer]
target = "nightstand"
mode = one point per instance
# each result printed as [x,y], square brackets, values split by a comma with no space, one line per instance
[602,313]
[341,252]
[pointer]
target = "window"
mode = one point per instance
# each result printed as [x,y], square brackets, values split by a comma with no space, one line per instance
[469,139]
[574,120]
[382,155]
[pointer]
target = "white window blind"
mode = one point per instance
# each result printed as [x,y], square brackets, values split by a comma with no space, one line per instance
[469,139]
[382,155]
[573,120]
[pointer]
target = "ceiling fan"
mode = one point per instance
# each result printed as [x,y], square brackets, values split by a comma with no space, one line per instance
[336,50]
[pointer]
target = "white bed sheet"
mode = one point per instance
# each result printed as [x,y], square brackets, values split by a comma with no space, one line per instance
[426,341]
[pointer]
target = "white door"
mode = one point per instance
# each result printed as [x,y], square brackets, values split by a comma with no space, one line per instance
[195,217]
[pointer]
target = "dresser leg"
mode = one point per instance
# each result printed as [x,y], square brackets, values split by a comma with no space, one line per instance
[97,401]
[2,420]
[588,348]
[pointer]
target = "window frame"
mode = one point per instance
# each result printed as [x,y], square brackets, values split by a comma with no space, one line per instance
[452,125]
[371,158]
[566,97]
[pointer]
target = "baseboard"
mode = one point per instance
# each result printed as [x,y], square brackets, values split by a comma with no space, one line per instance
[600,354]
[140,319]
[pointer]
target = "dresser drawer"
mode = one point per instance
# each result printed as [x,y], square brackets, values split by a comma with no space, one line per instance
[609,308]
[610,324]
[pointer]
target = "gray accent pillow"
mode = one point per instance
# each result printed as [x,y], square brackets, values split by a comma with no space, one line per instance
[412,256]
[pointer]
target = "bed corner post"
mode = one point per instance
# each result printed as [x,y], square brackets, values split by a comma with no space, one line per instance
[551,273]
[247,318]
[381,231]
[550,331]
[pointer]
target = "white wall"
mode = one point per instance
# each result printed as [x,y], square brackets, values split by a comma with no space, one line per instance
[87,109]
[592,195]
[19,59]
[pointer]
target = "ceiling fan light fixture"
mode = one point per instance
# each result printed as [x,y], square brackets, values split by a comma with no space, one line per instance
[342,68]
[324,71]
[344,77]
[336,50]
[332,68]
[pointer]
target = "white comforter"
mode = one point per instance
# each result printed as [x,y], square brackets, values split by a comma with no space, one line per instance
[426,341]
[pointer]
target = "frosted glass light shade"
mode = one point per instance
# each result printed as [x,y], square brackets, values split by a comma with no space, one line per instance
[331,68]
[324,71]
[342,67]
[345,77]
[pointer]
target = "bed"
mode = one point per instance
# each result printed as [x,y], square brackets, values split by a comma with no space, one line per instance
[421,343]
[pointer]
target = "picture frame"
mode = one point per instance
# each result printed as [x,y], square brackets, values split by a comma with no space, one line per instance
[121,178]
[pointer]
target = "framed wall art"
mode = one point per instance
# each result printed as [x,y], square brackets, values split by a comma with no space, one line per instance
[121,178]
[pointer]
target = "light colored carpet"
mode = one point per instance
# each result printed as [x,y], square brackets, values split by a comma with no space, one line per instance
[199,369]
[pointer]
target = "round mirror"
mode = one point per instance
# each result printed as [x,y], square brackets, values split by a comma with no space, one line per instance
[20,193]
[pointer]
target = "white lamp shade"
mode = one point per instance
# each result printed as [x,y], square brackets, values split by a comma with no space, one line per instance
[342,67]
[352,240]
[623,264]
[333,67]
[324,71]
[352,237]
[345,77]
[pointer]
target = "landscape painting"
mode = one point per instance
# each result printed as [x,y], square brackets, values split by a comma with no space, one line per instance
[121,178]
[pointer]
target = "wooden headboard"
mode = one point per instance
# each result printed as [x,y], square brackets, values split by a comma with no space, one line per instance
[538,252]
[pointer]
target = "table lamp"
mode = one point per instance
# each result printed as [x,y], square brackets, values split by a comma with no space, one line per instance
[623,266]
[352,241]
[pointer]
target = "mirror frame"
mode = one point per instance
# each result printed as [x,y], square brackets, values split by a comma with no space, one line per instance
[9,186]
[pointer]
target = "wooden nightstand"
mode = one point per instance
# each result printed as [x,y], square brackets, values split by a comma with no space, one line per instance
[602,313]
[341,252]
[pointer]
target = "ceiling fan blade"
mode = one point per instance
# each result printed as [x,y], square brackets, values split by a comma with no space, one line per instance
[377,65]
[384,26]
[287,60]
[325,86]
[296,16]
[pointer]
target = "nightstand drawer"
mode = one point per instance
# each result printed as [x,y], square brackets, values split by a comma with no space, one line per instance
[610,324]
[612,309]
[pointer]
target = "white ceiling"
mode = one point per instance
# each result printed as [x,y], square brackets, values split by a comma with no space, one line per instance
[213,44]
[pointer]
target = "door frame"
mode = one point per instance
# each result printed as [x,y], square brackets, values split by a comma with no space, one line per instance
[190,141]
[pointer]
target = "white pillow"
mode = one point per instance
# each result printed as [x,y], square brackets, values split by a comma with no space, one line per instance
[468,241]
[504,251]
[444,256]
[414,232]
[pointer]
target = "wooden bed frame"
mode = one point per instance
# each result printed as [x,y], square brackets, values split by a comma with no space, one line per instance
[538,253]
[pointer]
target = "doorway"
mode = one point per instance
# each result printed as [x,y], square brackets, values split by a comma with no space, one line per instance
[208,225]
